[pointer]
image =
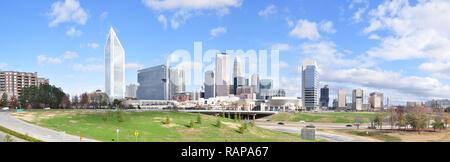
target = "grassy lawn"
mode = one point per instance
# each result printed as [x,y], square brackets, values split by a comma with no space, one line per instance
[326,117]
[151,127]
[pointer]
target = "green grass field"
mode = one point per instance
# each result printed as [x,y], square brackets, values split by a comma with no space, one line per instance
[152,128]
[325,117]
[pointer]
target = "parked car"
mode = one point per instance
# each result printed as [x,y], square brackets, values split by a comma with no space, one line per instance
[349,125]
[5,108]
[280,123]
[268,120]
[301,121]
[369,127]
[48,108]
[310,126]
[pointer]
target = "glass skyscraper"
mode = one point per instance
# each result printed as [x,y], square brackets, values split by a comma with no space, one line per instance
[114,67]
[153,83]
[310,85]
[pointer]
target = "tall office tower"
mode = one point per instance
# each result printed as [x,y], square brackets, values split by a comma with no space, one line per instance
[153,83]
[238,78]
[376,101]
[12,82]
[342,99]
[357,99]
[222,74]
[131,90]
[324,96]
[310,85]
[255,83]
[177,82]
[114,67]
[210,88]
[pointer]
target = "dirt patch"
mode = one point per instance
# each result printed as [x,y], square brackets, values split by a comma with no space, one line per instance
[442,136]
[169,125]
[73,121]
[232,125]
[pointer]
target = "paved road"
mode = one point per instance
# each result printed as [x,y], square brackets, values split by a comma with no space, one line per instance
[296,129]
[6,120]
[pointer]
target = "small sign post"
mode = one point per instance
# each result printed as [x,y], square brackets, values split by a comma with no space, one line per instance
[117,134]
[81,137]
[136,133]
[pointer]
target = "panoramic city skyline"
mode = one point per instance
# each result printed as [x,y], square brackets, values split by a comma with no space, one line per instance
[354,42]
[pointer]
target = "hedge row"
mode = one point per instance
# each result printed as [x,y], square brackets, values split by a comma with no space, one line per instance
[18,135]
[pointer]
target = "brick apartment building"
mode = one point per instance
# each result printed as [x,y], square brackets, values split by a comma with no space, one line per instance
[12,82]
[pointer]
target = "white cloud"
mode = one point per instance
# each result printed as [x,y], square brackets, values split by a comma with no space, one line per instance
[133,66]
[281,47]
[436,67]
[182,10]
[284,65]
[104,15]
[73,32]
[325,53]
[88,68]
[69,55]
[269,10]
[305,29]
[191,4]
[374,36]
[93,59]
[327,27]
[44,59]
[420,31]
[67,11]
[3,65]
[162,19]
[357,16]
[418,86]
[216,31]
[93,45]
[290,22]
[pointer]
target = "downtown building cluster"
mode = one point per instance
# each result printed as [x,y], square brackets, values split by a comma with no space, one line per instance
[161,86]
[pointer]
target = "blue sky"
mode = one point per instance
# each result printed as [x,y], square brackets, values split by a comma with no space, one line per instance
[399,47]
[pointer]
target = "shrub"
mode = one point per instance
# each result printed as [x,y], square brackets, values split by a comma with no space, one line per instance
[167,120]
[199,119]
[241,130]
[219,123]
[107,115]
[191,124]
[8,138]
[121,116]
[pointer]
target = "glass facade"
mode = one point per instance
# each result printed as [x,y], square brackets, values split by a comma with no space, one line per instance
[310,85]
[152,83]
[114,67]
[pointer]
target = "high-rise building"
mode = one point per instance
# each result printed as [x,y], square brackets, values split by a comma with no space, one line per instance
[357,99]
[12,82]
[210,88]
[376,101]
[324,96]
[222,74]
[342,99]
[153,83]
[255,83]
[238,77]
[131,90]
[177,82]
[114,67]
[310,85]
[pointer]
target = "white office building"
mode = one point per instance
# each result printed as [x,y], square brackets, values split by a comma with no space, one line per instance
[222,74]
[114,67]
